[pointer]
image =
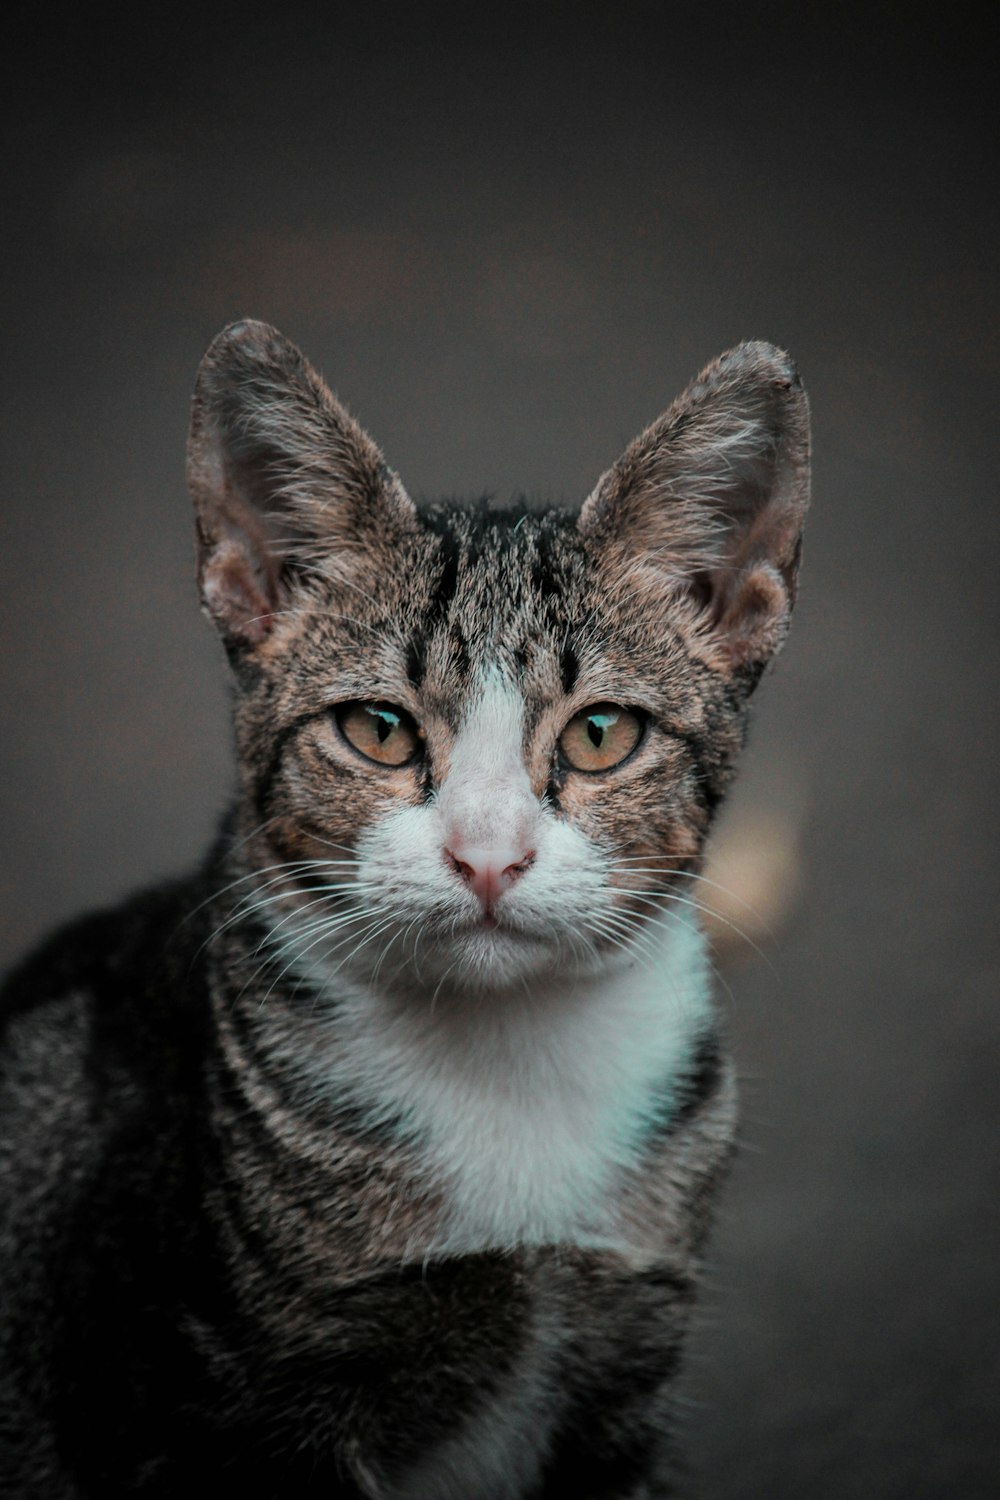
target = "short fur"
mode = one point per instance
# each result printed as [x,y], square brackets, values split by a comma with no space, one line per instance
[323,1174]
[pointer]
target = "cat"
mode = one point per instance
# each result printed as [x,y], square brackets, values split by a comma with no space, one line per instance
[376,1159]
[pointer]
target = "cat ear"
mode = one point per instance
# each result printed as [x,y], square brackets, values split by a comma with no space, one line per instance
[285,483]
[712,498]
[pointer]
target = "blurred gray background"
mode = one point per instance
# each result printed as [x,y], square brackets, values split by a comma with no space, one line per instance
[508,242]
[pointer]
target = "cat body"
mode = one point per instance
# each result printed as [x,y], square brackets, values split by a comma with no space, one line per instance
[377,1158]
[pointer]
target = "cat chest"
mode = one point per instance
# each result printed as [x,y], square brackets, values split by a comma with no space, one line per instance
[521,1166]
[527,1137]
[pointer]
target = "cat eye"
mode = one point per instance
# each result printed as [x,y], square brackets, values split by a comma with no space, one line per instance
[600,737]
[380,732]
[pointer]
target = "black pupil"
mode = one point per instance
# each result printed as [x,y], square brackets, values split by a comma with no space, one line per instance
[384,726]
[596,731]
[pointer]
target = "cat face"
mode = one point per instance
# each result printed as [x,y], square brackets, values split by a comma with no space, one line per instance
[479,748]
[505,762]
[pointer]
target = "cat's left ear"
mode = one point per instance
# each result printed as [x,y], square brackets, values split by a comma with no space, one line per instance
[708,503]
[285,483]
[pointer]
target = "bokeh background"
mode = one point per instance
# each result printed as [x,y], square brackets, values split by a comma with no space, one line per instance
[508,240]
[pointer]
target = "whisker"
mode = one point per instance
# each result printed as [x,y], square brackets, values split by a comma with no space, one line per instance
[296,915]
[654,897]
[619,866]
[259,901]
[298,956]
[328,843]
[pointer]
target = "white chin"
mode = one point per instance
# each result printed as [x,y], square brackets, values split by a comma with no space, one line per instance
[492,957]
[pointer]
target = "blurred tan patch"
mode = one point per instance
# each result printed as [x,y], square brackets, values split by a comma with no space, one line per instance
[755,866]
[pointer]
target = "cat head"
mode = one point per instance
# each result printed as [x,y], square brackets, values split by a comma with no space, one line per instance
[480,746]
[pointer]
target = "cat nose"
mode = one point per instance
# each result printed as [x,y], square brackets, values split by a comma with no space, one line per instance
[489,872]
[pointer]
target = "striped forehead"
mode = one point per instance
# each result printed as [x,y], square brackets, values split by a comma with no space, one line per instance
[501,601]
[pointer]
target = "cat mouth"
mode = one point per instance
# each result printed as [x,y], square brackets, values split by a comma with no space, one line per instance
[485,922]
[492,921]
[498,930]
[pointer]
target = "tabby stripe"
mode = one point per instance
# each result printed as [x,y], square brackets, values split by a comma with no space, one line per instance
[569,668]
[700,1083]
[447,581]
[709,793]
[265,783]
[252,1043]
[416,664]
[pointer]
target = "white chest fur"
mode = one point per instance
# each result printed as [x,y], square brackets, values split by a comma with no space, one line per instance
[525,1106]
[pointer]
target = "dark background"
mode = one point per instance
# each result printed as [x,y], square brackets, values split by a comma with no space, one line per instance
[508,242]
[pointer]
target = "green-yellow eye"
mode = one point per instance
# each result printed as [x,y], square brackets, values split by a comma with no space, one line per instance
[380,731]
[600,737]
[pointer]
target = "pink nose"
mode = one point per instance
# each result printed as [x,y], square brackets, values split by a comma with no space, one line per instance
[488,872]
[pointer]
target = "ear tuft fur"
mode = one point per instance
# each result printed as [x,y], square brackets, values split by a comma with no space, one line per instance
[712,497]
[282,478]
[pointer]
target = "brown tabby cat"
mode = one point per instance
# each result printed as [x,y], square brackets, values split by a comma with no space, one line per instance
[376,1158]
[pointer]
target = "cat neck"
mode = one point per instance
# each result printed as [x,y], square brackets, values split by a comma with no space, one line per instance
[521,1109]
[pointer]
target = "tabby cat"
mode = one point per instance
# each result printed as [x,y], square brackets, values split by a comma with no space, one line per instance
[375,1159]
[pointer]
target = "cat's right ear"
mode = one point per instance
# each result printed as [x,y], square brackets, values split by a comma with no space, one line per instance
[285,483]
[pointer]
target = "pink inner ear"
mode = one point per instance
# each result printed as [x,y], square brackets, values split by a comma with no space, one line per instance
[234,597]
